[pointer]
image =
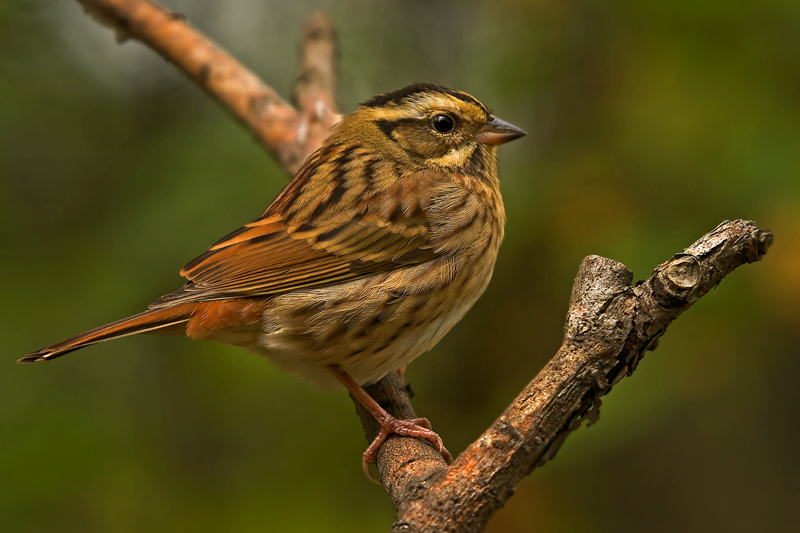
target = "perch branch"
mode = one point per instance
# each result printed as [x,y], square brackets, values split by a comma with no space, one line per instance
[609,327]
[289,134]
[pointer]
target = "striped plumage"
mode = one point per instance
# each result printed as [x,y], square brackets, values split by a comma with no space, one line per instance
[371,253]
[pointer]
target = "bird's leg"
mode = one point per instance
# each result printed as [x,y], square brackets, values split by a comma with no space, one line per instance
[415,427]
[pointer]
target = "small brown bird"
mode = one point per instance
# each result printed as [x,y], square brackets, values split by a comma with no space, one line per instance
[381,242]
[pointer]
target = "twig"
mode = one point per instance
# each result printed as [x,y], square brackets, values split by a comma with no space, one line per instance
[289,134]
[609,326]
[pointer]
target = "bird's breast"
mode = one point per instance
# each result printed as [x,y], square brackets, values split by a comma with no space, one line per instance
[374,325]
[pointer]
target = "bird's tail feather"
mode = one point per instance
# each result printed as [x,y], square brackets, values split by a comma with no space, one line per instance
[150,321]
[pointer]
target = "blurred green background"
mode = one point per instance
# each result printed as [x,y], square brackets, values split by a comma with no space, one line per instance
[650,123]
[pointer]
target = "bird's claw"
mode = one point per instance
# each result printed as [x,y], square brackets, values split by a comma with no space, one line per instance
[414,427]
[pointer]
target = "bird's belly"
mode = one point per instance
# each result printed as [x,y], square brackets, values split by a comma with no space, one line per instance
[371,326]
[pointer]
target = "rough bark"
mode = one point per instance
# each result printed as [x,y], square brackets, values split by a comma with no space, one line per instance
[610,324]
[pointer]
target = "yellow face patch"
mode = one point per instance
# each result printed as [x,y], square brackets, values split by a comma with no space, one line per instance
[456,157]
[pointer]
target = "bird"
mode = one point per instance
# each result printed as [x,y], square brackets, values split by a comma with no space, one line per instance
[374,250]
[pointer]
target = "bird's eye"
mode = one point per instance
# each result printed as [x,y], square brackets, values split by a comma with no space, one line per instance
[443,123]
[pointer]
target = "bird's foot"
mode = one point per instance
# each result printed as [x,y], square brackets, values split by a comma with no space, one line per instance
[414,427]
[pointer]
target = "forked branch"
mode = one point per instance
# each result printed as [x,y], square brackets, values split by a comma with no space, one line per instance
[288,133]
[609,327]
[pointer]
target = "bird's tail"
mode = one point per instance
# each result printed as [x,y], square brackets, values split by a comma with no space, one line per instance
[151,321]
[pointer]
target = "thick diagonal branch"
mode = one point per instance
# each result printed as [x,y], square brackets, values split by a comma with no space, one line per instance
[287,133]
[609,327]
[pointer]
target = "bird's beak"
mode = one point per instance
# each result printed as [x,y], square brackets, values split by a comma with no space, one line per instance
[497,131]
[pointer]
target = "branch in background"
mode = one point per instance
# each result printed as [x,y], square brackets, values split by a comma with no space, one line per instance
[289,134]
[315,89]
[609,325]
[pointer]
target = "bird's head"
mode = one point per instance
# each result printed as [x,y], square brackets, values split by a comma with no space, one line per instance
[429,125]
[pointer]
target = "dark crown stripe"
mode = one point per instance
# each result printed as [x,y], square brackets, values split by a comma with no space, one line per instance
[396,97]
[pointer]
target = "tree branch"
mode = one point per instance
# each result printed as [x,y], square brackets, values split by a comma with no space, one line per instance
[289,134]
[610,324]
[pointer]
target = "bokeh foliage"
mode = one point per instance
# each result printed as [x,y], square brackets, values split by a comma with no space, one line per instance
[650,122]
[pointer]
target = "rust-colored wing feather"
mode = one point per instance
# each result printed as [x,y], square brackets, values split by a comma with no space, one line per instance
[309,237]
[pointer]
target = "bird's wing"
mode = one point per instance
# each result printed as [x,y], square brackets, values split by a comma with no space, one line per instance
[317,232]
